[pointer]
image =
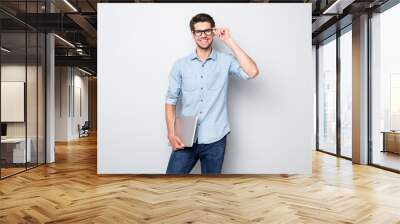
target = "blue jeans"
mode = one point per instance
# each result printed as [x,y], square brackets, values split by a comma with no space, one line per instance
[211,158]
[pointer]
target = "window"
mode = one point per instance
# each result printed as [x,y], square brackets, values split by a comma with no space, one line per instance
[385,89]
[327,96]
[346,93]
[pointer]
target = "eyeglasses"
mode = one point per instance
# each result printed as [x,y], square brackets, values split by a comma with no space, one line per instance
[198,33]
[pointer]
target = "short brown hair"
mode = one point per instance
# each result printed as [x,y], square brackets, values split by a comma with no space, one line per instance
[201,17]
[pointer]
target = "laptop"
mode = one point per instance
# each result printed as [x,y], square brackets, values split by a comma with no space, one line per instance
[185,129]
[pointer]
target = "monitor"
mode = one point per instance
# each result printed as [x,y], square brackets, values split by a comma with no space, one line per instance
[3,129]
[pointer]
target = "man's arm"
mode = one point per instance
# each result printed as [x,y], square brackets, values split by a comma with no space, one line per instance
[173,93]
[170,112]
[247,64]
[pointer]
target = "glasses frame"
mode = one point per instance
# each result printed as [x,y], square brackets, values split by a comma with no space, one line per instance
[195,32]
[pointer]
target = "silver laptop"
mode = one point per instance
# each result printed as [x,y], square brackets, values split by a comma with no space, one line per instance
[185,129]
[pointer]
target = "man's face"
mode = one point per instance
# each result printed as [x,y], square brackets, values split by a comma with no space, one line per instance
[203,39]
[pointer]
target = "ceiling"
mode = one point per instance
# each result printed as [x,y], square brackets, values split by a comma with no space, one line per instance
[76,22]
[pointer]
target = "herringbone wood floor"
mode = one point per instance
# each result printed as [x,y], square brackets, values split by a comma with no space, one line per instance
[70,191]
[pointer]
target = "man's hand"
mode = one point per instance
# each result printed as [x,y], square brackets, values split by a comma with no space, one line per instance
[222,33]
[175,142]
[247,64]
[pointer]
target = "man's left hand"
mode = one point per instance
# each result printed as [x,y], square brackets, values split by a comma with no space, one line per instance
[222,33]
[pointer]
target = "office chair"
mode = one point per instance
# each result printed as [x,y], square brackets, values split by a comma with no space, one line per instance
[84,130]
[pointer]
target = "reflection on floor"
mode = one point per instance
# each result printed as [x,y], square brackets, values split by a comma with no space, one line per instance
[347,152]
[10,171]
[386,159]
[70,191]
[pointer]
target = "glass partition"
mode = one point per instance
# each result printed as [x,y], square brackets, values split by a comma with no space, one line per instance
[346,94]
[22,77]
[32,95]
[385,89]
[14,154]
[41,88]
[327,96]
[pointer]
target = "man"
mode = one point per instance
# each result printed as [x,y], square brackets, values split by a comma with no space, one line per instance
[201,81]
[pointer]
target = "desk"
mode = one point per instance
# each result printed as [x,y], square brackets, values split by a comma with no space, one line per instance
[391,141]
[13,150]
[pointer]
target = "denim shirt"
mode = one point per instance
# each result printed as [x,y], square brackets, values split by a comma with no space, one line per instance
[201,88]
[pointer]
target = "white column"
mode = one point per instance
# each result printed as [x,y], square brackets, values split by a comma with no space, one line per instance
[50,92]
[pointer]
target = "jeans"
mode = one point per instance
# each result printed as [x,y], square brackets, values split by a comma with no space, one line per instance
[211,158]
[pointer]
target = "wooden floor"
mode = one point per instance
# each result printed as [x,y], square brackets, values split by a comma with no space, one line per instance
[70,191]
[5,172]
[386,159]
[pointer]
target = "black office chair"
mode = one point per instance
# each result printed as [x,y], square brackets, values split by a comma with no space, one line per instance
[84,130]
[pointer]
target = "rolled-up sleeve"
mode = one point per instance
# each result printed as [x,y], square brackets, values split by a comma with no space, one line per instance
[174,85]
[236,70]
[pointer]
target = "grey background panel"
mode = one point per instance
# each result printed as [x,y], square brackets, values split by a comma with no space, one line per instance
[271,116]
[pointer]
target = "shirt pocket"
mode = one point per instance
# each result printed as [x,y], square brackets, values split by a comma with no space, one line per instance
[215,80]
[189,82]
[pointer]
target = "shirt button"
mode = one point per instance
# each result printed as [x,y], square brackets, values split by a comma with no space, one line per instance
[200,112]
[201,88]
[202,65]
[201,100]
[201,76]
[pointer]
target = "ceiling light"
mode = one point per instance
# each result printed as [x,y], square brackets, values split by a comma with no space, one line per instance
[70,5]
[331,7]
[84,71]
[5,50]
[338,6]
[65,41]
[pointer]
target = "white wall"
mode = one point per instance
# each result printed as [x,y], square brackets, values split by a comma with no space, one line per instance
[61,103]
[68,81]
[314,73]
[18,73]
[271,116]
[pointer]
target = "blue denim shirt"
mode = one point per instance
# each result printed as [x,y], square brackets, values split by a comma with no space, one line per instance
[202,89]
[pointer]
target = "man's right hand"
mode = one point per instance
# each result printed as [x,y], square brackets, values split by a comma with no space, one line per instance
[175,142]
